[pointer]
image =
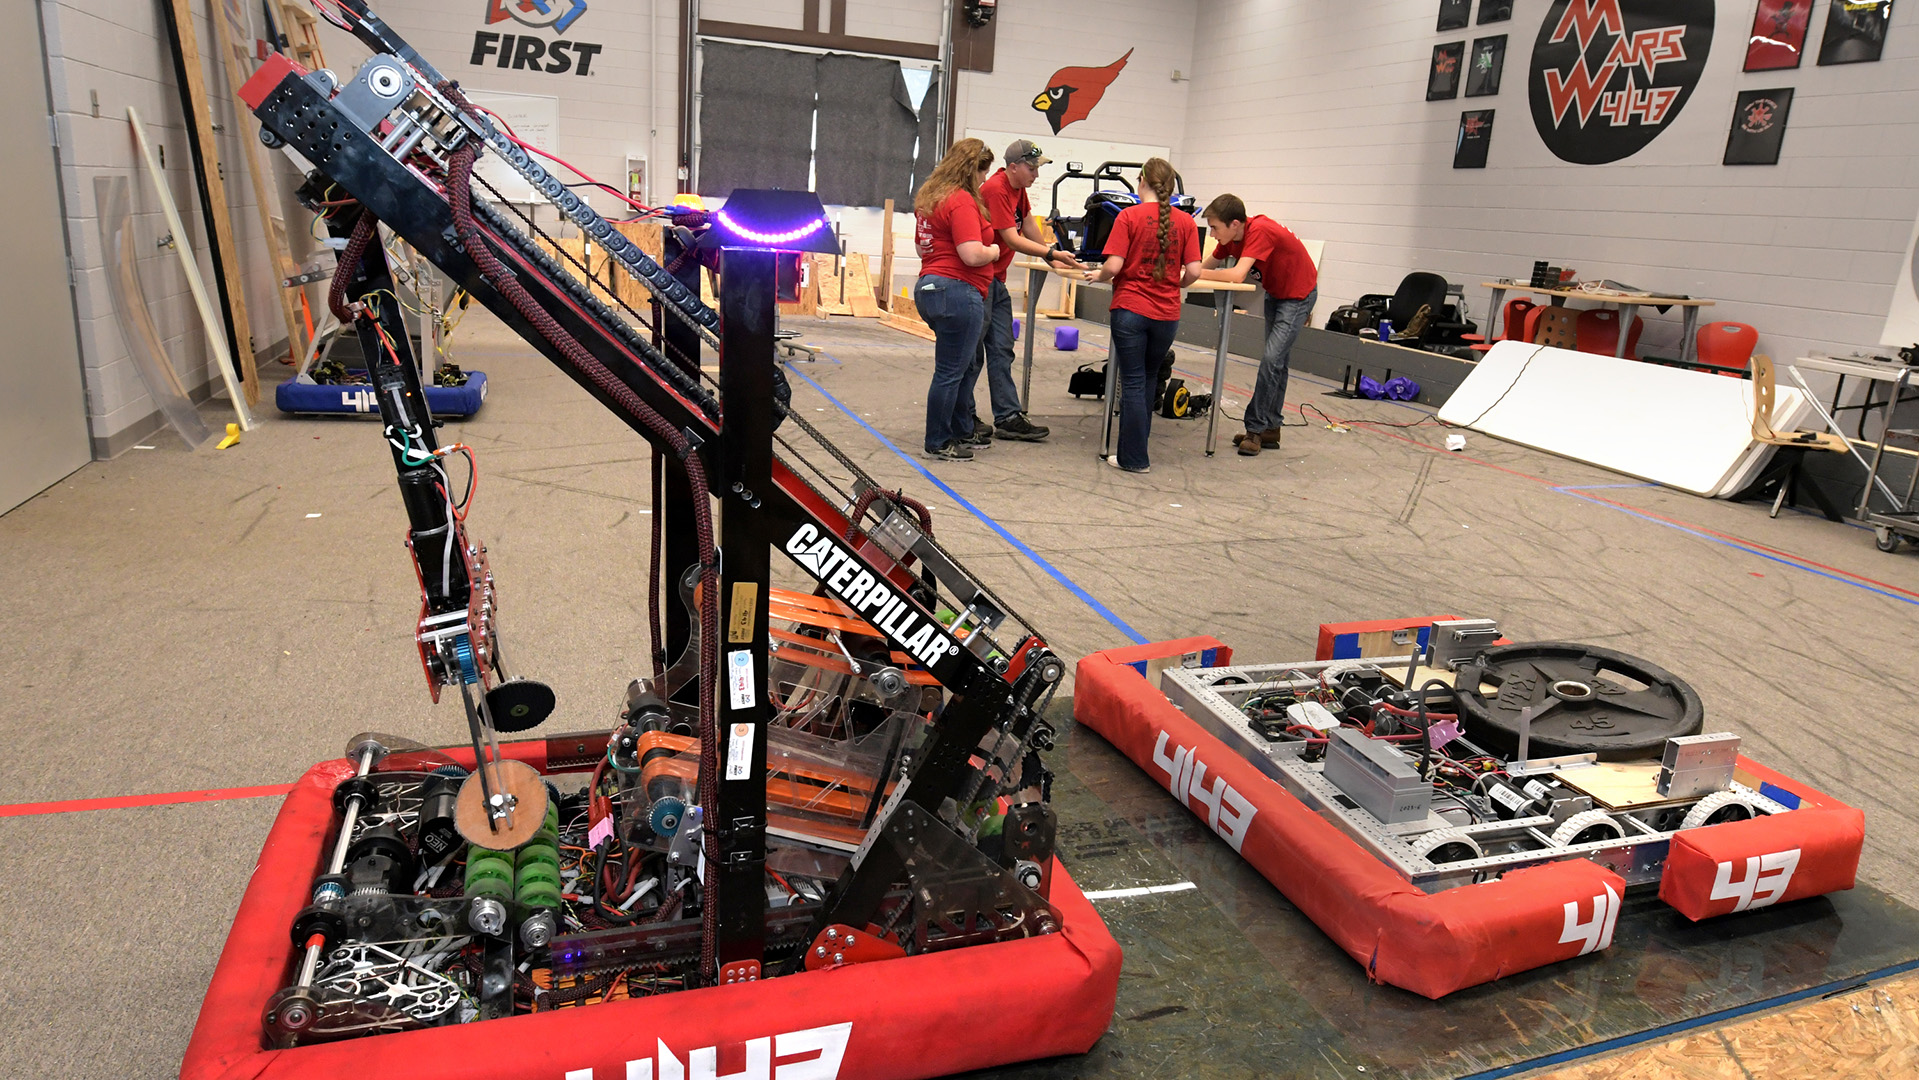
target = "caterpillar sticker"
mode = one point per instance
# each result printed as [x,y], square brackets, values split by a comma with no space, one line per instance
[872,597]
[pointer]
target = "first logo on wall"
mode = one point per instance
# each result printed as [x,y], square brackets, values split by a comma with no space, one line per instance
[526,52]
[1607,76]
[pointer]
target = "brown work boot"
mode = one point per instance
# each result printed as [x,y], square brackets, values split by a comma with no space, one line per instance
[1250,446]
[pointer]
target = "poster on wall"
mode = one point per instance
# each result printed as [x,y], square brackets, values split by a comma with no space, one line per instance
[1855,31]
[1453,14]
[1778,34]
[1442,80]
[1489,59]
[1491,11]
[1607,76]
[1475,138]
[1758,126]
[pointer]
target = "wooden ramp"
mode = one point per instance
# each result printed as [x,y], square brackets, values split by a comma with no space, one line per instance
[1868,1031]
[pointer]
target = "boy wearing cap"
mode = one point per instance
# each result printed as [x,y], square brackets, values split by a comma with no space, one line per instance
[1011,214]
[1292,287]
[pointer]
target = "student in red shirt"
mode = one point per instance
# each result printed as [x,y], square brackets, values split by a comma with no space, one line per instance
[956,268]
[1292,287]
[1155,255]
[1014,230]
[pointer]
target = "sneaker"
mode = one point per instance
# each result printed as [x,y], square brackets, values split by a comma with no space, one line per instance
[1114,462]
[1021,429]
[981,438]
[953,451]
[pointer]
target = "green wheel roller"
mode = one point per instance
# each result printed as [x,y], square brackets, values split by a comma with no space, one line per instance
[537,872]
[538,894]
[488,867]
[494,887]
[538,853]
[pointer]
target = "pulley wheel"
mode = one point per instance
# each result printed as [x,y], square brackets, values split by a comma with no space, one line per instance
[1585,700]
[515,779]
[519,705]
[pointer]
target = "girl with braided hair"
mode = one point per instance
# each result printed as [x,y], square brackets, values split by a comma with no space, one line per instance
[1153,254]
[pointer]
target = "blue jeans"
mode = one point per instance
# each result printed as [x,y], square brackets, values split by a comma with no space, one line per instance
[1001,390]
[1284,318]
[956,311]
[1139,344]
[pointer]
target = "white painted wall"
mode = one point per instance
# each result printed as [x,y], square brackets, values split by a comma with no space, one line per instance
[1035,39]
[626,104]
[118,49]
[1315,114]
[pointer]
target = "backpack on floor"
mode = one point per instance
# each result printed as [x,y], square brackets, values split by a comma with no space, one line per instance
[1088,381]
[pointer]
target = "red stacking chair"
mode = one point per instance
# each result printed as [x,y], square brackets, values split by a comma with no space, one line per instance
[1727,345]
[1598,332]
[1512,324]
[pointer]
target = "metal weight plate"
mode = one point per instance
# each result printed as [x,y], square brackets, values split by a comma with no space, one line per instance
[519,704]
[1585,700]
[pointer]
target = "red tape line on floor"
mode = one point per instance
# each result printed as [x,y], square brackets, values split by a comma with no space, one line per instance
[1752,546]
[122,802]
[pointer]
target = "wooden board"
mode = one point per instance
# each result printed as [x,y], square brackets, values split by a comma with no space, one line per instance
[905,316]
[571,253]
[857,289]
[1617,785]
[1068,293]
[302,32]
[213,190]
[647,236]
[828,272]
[885,284]
[1871,1031]
[1396,674]
[1690,430]
[231,28]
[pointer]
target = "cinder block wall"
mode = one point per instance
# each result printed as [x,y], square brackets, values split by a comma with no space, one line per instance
[1315,113]
[117,50]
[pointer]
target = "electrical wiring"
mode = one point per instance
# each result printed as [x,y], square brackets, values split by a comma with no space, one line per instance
[507,131]
[1334,421]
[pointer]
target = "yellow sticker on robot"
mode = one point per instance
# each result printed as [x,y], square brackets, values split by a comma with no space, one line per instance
[739,620]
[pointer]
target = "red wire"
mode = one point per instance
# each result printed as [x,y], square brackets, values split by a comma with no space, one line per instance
[1430,715]
[531,149]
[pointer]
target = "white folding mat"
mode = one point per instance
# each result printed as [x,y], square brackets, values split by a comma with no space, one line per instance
[1690,430]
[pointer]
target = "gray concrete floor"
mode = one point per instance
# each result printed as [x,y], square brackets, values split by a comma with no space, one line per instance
[180,621]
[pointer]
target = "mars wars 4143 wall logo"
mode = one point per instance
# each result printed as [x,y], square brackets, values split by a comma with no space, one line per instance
[1607,76]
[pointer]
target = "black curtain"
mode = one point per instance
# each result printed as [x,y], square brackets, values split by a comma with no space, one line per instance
[931,149]
[867,128]
[756,117]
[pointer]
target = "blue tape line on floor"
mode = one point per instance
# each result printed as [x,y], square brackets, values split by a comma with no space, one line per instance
[1052,571]
[1574,492]
[1680,1027]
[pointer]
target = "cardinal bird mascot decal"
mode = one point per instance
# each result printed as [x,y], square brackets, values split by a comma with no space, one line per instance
[1073,91]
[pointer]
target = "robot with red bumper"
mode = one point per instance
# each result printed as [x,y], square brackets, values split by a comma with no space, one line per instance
[818,826]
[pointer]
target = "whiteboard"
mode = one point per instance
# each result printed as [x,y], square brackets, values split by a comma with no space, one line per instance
[1690,430]
[1902,320]
[535,118]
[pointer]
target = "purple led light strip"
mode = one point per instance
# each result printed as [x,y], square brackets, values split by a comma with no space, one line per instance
[770,238]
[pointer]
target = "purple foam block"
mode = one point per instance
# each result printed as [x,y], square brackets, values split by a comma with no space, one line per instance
[1016,329]
[1066,338]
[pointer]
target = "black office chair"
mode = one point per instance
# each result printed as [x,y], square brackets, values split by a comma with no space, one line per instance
[1420,289]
